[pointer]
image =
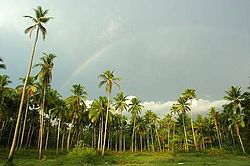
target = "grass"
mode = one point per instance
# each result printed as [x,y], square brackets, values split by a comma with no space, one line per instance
[29,158]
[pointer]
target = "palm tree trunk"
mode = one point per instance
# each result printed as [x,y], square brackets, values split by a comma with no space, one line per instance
[2,128]
[109,141]
[120,143]
[58,135]
[106,125]
[62,145]
[238,133]
[232,135]
[116,142]
[12,149]
[47,135]
[158,139]
[132,139]
[41,124]
[68,139]
[135,141]
[152,139]
[24,122]
[31,135]
[124,143]
[94,137]
[148,144]
[168,138]
[19,134]
[185,133]
[141,141]
[99,137]
[11,129]
[28,136]
[192,124]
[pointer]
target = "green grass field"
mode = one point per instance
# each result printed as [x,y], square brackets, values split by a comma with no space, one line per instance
[29,158]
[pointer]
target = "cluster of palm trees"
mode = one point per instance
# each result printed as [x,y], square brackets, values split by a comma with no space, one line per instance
[45,120]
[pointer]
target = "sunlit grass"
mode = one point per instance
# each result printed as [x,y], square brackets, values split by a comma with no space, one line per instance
[30,158]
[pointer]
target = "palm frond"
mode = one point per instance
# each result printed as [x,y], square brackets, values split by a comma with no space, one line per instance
[43,30]
[101,83]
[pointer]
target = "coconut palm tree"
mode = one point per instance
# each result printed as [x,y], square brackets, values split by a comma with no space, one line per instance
[153,120]
[45,78]
[190,95]
[108,79]
[181,107]
[121,105]
[214,115]
[39,20]
[96,116]
[75,103]
[4,89]
[135,109]
[59,112]
[237,122]
[2,66]
[30,90]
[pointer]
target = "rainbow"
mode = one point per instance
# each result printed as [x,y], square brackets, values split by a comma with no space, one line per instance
[85,63]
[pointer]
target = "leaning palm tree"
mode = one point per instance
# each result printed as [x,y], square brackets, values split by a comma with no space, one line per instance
[214,115]
[38,20]
[2,66]
[45,78]
[121,105]
[108,79]
[135,109]
[190,95]
[237,122]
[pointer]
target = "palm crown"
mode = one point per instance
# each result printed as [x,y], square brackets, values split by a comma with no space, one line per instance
[38,20]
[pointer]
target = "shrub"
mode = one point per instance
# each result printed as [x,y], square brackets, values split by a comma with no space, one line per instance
[83,156]
[215,151]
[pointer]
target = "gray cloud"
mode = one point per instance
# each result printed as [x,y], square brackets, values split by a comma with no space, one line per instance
[160,47]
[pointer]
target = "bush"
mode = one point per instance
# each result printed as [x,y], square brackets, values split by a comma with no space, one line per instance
[215,151]
[83,156]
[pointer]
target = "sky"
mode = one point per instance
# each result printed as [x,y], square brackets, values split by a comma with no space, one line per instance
[158,47]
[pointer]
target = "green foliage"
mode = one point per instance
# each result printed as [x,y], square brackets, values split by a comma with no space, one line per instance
[215,151]
[83,156]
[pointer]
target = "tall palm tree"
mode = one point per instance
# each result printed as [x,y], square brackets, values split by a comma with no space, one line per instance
[2,66]
[76,103]
[38,20]
[181,107]
[30,90]
[214,114]
[153,121]
[237,122]
[121,105]
[135,109]
[59,112]
[190,95]
[108,79]
[96,115]
[45,78]
[235,99]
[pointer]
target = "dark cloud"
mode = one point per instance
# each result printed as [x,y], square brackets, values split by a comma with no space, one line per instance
[159,48]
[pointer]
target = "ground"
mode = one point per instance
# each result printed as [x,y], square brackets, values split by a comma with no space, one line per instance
[29,158]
